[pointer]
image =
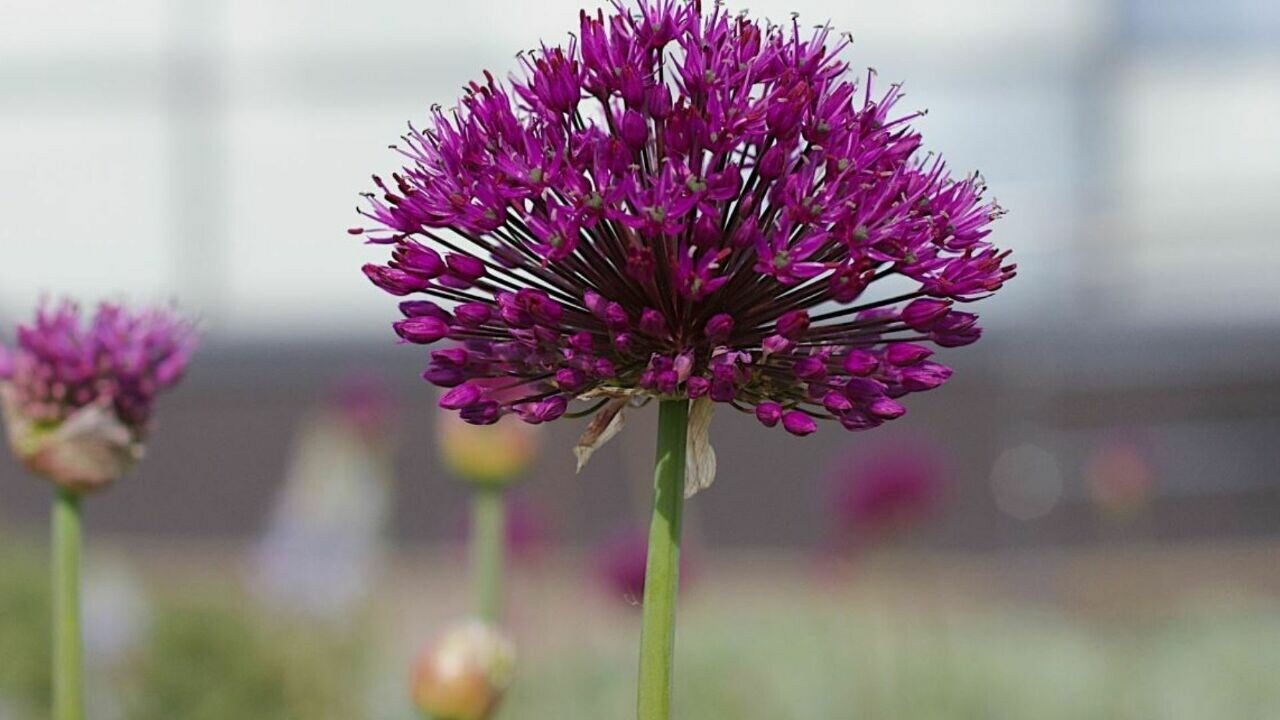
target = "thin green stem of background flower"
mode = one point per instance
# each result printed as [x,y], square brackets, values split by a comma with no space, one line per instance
[488,546]
[68,675]
[662,569]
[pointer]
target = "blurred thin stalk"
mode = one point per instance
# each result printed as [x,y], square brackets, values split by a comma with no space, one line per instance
[662,568]
[488,548]
[68,681]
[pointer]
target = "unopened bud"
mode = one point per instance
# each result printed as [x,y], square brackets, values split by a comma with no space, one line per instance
[488,454]
[82,453]
[464,674]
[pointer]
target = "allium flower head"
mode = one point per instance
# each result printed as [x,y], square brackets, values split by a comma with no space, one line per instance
[78,392]
[679,202]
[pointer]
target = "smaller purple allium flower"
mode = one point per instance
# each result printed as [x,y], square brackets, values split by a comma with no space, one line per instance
[78,393]
[873,496]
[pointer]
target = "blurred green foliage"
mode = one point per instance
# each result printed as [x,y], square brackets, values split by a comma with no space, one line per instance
[204,663]
[207,660]
[861,662]
[782,655]
[211,657]
[24,631]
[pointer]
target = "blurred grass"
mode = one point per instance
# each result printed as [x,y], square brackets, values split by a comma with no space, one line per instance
[767,650]
[213,660]
[865,663]
[206,653]
[24,631]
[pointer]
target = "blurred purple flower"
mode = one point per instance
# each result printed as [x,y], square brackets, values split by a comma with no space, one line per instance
[78,394]
[364,401]
[682,203]
[528,529]
[620,565]
[874,495]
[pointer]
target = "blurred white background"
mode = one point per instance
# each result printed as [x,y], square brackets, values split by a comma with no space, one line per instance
[213,151]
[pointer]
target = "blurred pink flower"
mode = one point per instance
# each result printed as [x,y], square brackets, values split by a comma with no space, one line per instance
[364,401]
[877,494]
[620,565]
[1120,475]
[528,528]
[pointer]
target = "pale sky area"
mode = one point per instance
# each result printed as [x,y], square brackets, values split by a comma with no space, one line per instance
[213,152]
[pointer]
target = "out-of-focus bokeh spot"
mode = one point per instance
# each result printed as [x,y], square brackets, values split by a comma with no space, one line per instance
[1026,482]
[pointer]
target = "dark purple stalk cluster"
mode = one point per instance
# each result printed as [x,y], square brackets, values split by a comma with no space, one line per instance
[680,203]
[123,360]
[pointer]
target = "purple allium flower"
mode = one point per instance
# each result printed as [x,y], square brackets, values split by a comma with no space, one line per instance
[683,203]
[78,393]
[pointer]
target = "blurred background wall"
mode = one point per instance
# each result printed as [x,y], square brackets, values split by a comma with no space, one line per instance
[212,152]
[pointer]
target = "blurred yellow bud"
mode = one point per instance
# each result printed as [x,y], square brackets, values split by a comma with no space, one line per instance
[489,454]
[463,676]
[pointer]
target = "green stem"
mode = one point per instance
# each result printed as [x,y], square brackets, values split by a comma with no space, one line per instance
[662,570]
[488,546]
[68,680]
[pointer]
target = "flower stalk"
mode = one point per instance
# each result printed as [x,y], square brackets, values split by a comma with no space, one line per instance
[68,664]
[488,551]
[77,395]
[662,571]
